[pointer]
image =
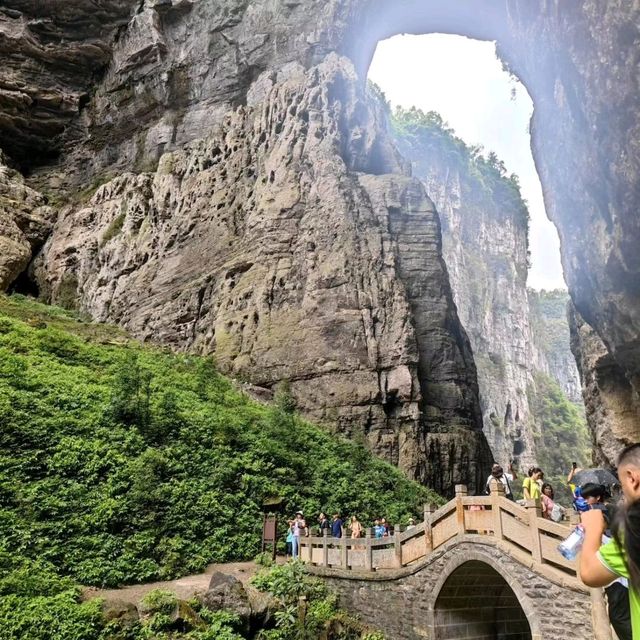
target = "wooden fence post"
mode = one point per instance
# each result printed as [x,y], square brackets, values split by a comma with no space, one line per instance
[497,494]
[534,511]
[368,551]
[461,492]
[428,534]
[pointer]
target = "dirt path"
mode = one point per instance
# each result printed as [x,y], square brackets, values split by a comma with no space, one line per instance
[184,588]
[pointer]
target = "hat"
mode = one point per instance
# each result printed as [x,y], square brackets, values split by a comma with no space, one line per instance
[299,512]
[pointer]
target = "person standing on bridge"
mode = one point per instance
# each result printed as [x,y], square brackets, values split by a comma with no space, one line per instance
[498,474]
[337,530]
[602,565]
[299,529]
[356,527]
[531,486]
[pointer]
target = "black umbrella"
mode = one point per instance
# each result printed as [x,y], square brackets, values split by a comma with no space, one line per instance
[596,476]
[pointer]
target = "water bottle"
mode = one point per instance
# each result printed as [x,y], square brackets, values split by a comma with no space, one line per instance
[572,544]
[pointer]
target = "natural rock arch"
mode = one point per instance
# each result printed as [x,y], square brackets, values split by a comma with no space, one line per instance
[585,144]
[151,90]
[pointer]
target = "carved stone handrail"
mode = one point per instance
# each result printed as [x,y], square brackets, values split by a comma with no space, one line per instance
[520,531]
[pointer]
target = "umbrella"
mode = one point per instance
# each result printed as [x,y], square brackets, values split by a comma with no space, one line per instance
[597,476]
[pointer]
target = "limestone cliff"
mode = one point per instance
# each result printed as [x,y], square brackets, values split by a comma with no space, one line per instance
[611,404]
[515,333]
[192,86]
[551,334]
[268,244]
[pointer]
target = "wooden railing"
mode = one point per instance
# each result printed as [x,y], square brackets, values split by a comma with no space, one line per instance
[521,530]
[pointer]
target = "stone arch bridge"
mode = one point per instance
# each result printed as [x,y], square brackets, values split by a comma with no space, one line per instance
[477,568]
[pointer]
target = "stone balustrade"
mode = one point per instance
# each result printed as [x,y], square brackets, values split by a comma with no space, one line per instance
[520,529]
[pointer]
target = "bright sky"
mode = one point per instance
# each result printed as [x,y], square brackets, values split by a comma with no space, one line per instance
[463,80]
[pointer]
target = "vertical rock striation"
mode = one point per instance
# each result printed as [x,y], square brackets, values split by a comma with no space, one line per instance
[514,333]
[611,403]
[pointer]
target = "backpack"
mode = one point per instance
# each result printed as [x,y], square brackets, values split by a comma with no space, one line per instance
[507,491]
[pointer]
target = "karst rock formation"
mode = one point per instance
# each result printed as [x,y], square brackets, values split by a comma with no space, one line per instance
[212,175]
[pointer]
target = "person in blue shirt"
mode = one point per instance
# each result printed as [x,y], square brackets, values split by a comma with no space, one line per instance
[337,530]
[378,529]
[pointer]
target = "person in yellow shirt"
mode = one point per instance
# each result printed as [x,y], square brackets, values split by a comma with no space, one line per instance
[531,486]
[602,565]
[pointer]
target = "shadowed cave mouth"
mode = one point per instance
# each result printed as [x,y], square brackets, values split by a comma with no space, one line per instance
[476,603]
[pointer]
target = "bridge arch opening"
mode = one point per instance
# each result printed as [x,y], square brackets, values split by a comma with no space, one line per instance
[476,603]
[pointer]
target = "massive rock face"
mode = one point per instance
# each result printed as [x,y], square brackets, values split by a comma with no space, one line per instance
[549,315]
[611,404]
[582,76]
[263,244]
[25,222]
[122,88]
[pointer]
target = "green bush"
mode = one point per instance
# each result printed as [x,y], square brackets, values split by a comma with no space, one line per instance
[122,464]
[307,609]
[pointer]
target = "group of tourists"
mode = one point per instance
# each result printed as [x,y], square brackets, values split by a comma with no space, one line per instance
[610,554]
[336,528]
[534,487]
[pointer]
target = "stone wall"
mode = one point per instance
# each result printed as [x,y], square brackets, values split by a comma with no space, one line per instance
[262,244]
[406,608]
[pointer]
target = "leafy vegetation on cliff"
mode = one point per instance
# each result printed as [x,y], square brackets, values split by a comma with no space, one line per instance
[561,432]
[423,136]
[122,463]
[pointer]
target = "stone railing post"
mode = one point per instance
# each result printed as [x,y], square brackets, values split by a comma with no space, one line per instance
[428,534]
[368,551]
[344,560]
[325,547]
[599,616]
[534,510]
[397,545]
[461,492]
[497,494]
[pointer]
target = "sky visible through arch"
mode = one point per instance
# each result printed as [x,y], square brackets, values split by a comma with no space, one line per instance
[463,80]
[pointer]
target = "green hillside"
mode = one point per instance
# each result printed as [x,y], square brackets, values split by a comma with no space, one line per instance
[122,463]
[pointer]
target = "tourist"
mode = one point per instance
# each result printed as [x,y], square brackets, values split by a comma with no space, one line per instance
[497,474]
[595,496]
[550,510]
[574,469]
[618,592]
[412,524]
[356,527]
[324,524]
[530,486]
[299,529]
[289,552]
[337,530]
[385,525]
[601,565]
[378,529]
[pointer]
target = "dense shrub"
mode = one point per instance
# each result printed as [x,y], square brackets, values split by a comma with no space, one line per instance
[120,463]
